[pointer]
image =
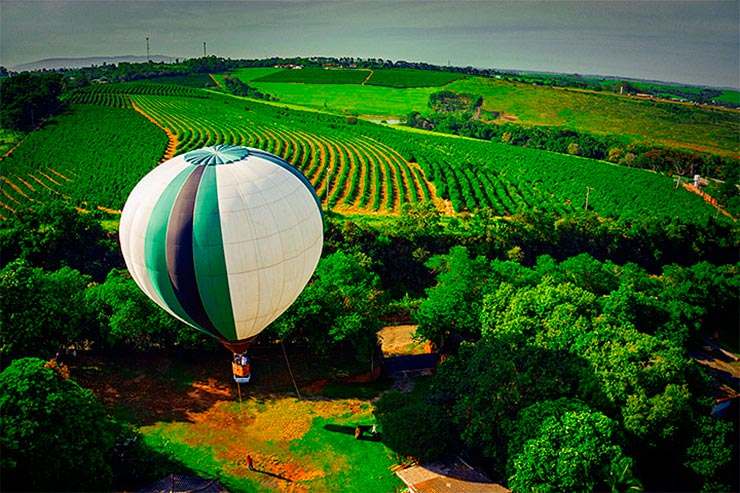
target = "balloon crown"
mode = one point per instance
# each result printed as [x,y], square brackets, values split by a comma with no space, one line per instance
[219,154]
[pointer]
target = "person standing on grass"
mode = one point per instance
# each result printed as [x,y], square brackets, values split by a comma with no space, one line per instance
[250,466]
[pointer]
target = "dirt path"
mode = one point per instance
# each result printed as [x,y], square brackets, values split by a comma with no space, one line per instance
[171,137]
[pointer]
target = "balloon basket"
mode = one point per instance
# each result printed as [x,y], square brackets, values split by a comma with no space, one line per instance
[240,368]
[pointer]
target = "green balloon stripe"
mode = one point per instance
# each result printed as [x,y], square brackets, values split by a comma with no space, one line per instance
[208,254]
[155,250]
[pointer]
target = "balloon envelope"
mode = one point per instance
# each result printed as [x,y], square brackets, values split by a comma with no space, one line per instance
[224,238]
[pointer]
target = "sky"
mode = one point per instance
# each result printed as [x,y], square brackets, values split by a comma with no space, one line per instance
[686,41]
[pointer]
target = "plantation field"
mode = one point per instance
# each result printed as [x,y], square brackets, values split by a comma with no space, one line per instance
[91,155]
[316,75]
[354,167]
[675,125]
[247,74]
[399,77]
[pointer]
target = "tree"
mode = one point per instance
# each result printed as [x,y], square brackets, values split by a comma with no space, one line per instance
[419,219]
[41,310]
[26,99]
[55,235]
[126,316]
[453,305]
[575,451]
[488,383]
[412,428]
[55,434]
[340,304]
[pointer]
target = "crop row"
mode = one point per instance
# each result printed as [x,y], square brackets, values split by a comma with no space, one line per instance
[350,172]
[117,100]
[144,87]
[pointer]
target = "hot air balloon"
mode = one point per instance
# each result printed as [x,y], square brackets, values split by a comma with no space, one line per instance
[224,238]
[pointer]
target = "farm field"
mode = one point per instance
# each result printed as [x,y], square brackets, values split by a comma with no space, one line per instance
[385,95]
[355,168]
[317,75]
[704,129]
[101,161]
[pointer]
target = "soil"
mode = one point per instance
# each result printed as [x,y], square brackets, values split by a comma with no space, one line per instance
[399,340]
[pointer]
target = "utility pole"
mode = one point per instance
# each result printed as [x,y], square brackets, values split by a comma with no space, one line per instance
[588,190]
[204,49]
[147,49]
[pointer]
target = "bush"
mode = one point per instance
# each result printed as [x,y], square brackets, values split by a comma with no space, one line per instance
[55,434]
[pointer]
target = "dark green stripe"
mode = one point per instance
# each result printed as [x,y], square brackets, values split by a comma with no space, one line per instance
[155,245]
[209,259]
[180,246]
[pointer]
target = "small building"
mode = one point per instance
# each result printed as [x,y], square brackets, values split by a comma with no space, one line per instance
[450,475]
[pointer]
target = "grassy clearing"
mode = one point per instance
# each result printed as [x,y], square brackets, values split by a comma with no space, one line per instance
[710,129]
[189,410]
[351,98]
[296,445]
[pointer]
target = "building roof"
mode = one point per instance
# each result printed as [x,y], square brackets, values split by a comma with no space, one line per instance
[177,483]
[446,476]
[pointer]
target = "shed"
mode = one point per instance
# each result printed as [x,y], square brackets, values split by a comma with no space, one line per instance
[448,476]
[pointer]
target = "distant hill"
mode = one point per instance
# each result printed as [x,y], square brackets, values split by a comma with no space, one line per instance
[57,63]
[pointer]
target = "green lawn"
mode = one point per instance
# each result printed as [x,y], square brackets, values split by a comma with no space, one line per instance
[296,445]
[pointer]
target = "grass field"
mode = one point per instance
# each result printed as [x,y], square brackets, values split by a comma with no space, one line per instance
[376,102]
[193,413]
[297,445]
[709,129]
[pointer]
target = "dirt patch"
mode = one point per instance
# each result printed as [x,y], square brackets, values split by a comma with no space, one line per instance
[398,340]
